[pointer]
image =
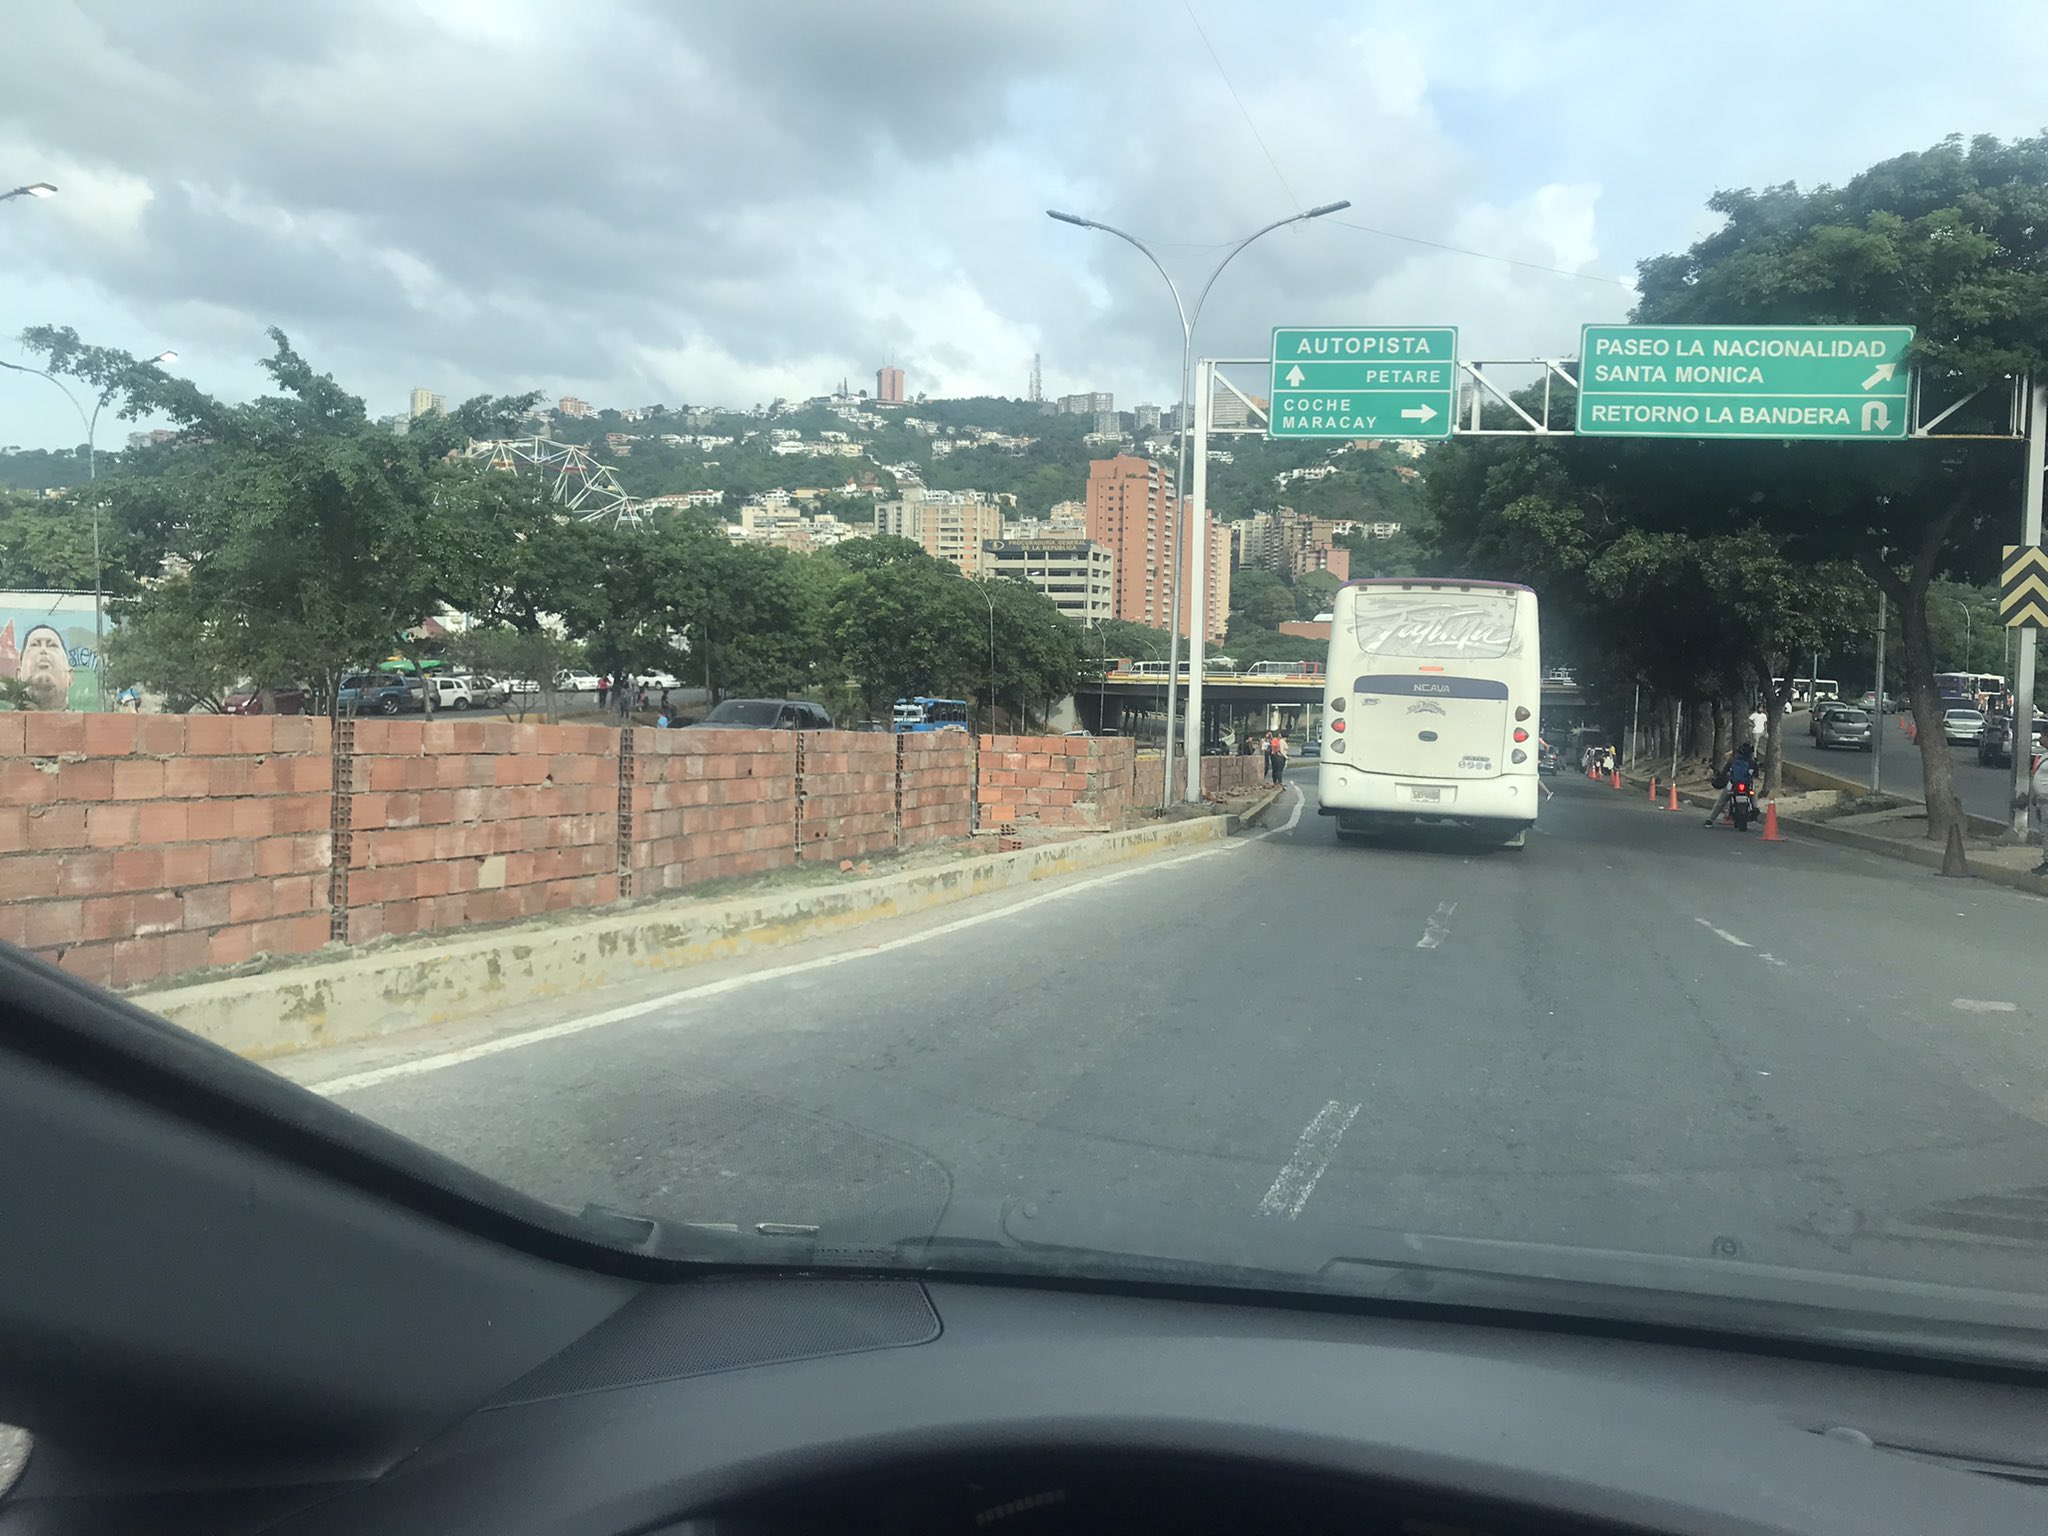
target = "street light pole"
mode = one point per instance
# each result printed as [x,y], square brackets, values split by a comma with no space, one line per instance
[989,598]
[91,424]
[33,189]
[1177,537]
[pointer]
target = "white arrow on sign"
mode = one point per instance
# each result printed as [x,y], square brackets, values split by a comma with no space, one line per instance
[1295,376]
[1880,374]
[1875,417]
[1419,413]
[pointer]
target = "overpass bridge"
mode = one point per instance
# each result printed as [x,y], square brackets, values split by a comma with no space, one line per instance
[1134,703]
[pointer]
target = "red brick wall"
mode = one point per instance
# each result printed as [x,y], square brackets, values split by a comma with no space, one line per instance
[133,848]
[1220,776]
[137,847]
[846,789]
[938,785]
[475,821]
[1232,775]
[1148,778]
[711,805]
[1055,781]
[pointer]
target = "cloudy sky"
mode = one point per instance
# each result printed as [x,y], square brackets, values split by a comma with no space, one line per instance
[719,202]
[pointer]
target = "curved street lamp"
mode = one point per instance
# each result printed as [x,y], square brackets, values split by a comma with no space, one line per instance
[33,189]
[91,424]
[1188,320]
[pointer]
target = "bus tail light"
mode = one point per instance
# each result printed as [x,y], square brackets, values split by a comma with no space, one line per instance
[1337,703]
[1337,745]
[1337,726]
[1518,756]
[1520,734]
[1521,711]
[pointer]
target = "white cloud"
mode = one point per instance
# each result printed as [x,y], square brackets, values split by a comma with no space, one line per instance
[732,202]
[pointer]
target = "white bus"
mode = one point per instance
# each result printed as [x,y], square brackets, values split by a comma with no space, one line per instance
[1430,707]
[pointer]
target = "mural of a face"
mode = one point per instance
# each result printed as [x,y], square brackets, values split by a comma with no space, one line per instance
[46,666]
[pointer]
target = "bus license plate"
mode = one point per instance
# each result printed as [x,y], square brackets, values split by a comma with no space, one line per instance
[1426,794]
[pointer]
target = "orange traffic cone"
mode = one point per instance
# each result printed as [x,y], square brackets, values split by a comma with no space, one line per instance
[1615,783]
[1771,832]
[1912,730]
[1653,789]
[1674,797]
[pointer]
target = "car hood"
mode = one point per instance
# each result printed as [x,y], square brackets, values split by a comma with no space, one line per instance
[1056,1233]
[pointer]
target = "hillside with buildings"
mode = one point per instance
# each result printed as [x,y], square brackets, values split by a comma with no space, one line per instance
[1072,495]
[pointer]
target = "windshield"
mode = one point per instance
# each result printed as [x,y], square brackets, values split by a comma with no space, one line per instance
[1317,832]
[1434,625]
[746,712]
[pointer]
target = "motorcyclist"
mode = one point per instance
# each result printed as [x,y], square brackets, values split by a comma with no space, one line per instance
[1740,769]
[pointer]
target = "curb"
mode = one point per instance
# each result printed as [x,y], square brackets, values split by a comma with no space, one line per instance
[1890,848]
[1925,855]
[1250,818]
[369,994]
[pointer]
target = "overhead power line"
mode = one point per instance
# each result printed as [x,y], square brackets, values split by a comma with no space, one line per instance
[1220,70]
[1460,250]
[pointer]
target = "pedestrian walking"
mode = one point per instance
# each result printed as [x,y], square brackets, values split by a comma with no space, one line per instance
[604,688]
[624,695]
[1276,760]
[664,701]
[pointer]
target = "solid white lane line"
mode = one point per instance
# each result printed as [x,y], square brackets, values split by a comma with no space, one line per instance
[1723,933]
[1293,819]
[1311,1160]
[1438,928]
[468,1053]
[1982,1005]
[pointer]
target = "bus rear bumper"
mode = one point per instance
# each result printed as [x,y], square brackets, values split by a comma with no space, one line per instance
[1363,800]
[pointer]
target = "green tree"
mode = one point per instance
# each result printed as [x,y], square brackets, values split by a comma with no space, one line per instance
[1314,591]
[310,539]
[904,627]
[46,542]
[1952,240]
[1261,597]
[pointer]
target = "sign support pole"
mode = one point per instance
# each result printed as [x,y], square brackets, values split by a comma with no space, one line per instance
[1877,709]
[1198,563]
[2023,660]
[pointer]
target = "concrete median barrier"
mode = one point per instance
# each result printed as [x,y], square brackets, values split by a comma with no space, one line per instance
[382,990]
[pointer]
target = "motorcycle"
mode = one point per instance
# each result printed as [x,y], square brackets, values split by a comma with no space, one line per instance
[1741,805]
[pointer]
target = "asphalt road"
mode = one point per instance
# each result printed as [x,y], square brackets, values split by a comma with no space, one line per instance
[1634,1034]
[1984,791]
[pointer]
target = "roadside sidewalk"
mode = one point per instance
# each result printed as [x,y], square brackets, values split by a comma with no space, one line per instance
[1889,826]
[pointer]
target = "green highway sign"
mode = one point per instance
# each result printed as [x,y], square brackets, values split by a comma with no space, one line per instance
[1364,381]
[1811,381]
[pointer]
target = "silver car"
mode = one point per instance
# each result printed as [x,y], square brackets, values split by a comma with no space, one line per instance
[1843,727]
[1962,727]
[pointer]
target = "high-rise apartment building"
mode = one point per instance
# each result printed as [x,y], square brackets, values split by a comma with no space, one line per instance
[1288,544]
[1077,573]
[569,405]
[1091,404]
[950,525]
[426,403]
[889,385]
[1130,509]
[1147,417]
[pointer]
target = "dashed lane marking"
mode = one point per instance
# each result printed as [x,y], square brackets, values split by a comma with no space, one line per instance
[1438,928]
[1312,1153]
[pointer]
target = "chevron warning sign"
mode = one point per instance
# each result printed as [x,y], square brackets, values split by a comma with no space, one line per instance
[2023,587]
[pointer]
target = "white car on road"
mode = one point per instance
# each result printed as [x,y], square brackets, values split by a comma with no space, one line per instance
[655,680]
[576,682]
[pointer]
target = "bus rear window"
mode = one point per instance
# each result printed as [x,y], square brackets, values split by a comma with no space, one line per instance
[1434,625]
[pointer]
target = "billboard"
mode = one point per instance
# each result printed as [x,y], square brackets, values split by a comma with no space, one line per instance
[46,639]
